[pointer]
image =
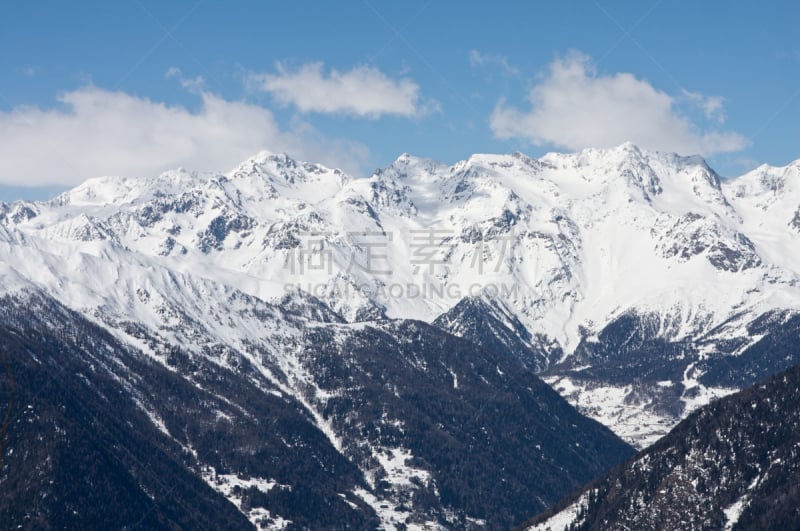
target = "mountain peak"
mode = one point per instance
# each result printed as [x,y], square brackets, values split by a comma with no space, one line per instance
[407,164]
[626,150]
[265,158]
[627,147]
[283,170]
[631,151]
[767,181]
[407,159]
[117,190]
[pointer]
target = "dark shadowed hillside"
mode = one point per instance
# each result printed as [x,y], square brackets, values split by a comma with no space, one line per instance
[734,464]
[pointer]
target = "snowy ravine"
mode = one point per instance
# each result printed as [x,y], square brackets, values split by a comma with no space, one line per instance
[634,275]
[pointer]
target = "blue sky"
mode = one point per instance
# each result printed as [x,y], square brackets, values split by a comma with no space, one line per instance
[135,87]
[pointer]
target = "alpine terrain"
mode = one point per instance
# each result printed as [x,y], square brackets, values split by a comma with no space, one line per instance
[285,345]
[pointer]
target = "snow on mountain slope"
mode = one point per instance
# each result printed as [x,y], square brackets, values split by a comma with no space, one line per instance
[569,243]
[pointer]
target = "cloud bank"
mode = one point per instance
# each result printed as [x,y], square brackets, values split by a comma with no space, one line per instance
[98,132]
[573,107]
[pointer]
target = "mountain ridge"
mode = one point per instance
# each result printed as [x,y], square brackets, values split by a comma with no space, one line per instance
[569,243]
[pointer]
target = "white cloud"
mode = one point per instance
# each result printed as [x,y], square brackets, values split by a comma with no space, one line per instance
[477,58]
[363,91]
[573,107]
[100,132]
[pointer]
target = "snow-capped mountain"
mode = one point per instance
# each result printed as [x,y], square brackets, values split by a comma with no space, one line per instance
[577,251]
[639,285]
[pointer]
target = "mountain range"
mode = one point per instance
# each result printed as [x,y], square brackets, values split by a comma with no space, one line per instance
[389,328]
